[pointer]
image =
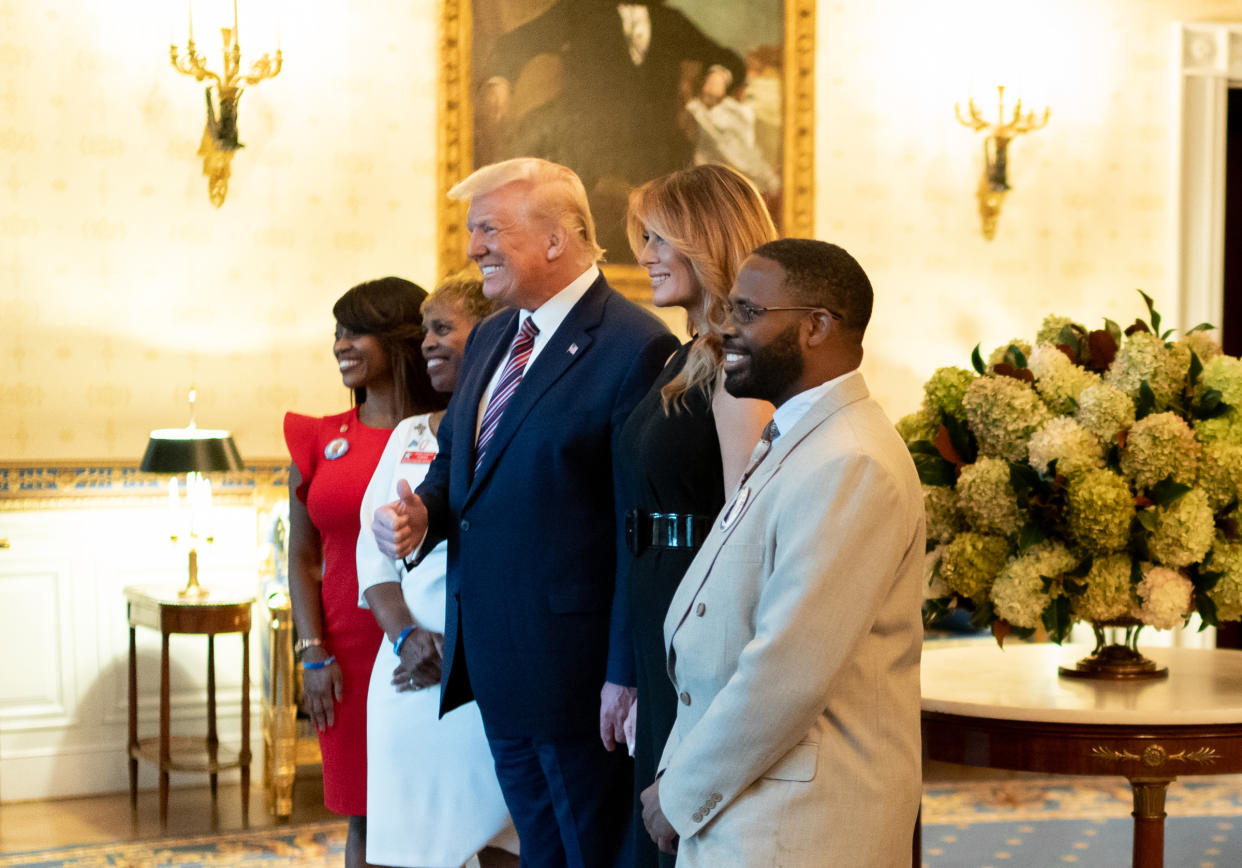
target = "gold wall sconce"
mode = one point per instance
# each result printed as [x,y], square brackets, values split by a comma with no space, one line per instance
[220,135]
[994,182]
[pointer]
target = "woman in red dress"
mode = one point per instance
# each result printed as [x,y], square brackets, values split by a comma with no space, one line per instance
[378,332]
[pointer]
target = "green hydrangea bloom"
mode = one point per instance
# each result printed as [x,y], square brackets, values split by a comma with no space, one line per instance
[1051,327]
[1108,593]
[1105,411]
[943,517]
[1063,440]
[1226,558]
[1184,530]
[1145,357]
[1224,428]
[1057,379]
[1164,598]
[1223,373]
[1158,446]
[917,426]
[1100,511]
[943,392]
[1018,593]
[971,561]
[1220,473]
[986,498]
[1202,344]
[1003,412]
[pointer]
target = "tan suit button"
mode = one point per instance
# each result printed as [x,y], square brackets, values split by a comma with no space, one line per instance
[685,698]
[700,609]
[698,818]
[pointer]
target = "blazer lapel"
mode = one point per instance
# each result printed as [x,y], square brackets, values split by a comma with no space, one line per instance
[569,343]
[744,496]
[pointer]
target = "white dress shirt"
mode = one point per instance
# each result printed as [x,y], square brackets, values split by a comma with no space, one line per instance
[548,318]
[787,415]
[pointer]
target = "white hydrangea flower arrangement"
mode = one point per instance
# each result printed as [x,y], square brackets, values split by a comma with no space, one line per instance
[1092,475]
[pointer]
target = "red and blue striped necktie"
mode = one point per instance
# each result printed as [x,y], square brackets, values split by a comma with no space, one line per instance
[519,354]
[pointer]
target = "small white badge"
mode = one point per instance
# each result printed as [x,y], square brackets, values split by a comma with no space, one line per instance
[573,348]
[336,448]
[735,508]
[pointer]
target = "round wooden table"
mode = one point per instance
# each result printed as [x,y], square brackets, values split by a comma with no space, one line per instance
[162,608]
[1009,709]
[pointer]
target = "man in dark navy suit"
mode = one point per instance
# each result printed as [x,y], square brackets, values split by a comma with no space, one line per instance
[523,490]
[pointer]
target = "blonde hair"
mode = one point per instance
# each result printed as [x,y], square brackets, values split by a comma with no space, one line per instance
[557,195]
[463,290]
[714,217]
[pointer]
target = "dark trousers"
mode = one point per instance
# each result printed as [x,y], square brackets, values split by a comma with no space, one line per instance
[570,800]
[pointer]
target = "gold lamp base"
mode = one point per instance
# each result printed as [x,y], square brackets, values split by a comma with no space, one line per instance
[193,590]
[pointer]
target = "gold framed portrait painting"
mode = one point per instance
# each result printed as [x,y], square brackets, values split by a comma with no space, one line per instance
[625,92]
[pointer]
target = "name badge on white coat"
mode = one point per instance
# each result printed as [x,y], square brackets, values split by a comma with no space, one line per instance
[735,508]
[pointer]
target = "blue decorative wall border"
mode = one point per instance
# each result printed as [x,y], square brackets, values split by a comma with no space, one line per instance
[21,481]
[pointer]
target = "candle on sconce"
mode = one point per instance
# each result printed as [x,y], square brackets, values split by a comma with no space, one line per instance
[189,8]
[206,522]
[235,42]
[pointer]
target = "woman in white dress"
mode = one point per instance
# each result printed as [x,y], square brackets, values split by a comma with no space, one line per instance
[432,795]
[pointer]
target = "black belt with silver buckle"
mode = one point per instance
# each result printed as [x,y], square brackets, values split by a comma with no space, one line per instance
[665,530]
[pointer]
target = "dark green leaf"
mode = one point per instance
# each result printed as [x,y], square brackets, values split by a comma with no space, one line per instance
[1205,580]
[1147,518]
[1136,572]
[1074,588]
[963,440]
[1022,632]
[1113,329]
[1069,337]
[933,470]
[976,360]
[1113,459]
[1196,368]
[1166,491]
[1015,357]
[1056,618]
[1028,536]
[1206,607]
[922,447]
[1164,336]
[1146,402]
[1201,327]
[983,616]
[1023,477]
[1151,310]
[933,611]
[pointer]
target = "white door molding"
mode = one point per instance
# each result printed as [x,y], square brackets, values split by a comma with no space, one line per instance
[1208,58]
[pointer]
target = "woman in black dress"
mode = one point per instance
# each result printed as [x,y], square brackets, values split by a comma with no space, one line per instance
[688,440]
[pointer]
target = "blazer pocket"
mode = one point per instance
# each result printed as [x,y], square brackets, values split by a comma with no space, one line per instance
[576,599]
[796,765]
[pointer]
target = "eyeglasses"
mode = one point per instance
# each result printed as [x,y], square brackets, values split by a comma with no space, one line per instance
[745,313]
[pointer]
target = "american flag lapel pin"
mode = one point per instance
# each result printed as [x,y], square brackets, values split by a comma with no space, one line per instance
[573,348]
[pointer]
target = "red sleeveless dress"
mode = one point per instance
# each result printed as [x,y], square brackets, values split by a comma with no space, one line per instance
[332,491]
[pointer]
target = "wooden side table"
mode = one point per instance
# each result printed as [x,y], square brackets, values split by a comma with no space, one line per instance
[159,608]
[1008,709]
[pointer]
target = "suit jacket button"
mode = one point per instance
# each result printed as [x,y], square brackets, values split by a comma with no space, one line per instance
[700,609]
[715,799]
[698,817]
[464,524]
[685,698]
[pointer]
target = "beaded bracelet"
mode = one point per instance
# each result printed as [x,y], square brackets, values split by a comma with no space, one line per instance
[321,664]
[400,640]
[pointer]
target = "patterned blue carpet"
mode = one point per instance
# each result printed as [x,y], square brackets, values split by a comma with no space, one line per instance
[1021,823]
[1084,822]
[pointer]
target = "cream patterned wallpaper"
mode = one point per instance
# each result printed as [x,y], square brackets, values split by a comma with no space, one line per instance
[120,285]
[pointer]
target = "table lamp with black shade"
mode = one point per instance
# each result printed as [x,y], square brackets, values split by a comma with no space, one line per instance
[195,452]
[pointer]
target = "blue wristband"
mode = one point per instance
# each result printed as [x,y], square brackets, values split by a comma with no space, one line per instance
[321,664]
[400,640]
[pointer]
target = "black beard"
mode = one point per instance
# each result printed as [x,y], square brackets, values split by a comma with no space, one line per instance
[772,369]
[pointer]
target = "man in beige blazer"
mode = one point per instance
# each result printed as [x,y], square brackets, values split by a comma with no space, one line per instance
[794,638]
